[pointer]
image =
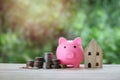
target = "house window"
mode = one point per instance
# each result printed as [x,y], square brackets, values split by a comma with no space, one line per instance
[97,53]
[89,53]
[97,64]
[89,65]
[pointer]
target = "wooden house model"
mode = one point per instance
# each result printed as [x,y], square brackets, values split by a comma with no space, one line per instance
[93,55]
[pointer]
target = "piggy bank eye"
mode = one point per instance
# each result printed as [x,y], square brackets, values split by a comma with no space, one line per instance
[74,46]
[64,46]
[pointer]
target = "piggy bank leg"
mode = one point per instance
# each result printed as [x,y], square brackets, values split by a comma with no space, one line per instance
[76,65]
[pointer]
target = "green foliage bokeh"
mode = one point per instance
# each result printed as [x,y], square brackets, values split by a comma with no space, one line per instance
[32,27]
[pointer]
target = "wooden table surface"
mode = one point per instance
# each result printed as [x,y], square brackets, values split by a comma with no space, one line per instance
[14,72]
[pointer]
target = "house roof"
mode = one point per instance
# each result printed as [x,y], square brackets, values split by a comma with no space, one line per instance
[93,47]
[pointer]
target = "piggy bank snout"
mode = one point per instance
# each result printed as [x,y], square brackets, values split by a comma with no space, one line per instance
[70,55]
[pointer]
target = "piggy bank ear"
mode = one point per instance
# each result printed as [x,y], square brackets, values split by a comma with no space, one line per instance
[78,40]
[61,40]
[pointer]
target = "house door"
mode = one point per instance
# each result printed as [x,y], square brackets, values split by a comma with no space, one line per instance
[89,65]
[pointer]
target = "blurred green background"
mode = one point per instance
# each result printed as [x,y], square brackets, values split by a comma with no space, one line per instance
[28,28]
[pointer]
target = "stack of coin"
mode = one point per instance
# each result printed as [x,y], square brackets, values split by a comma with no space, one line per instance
[48,56]
[30,64]
[38,63]
[47,65]
[48,60]
[63,66]
[56,64]
[56,61]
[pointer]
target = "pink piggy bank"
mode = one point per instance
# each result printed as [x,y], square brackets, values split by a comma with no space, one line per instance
[70,52]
